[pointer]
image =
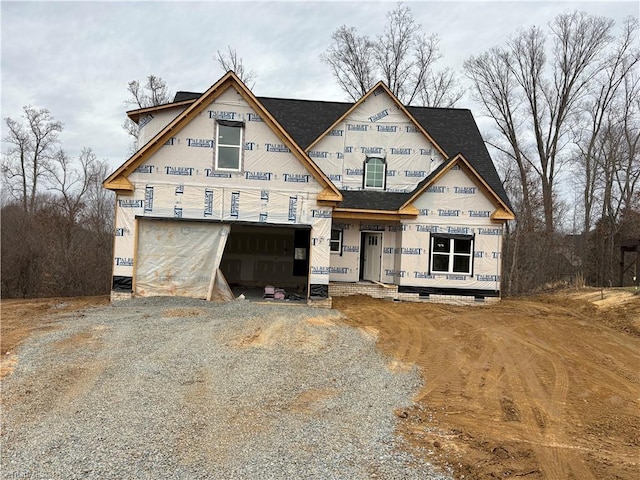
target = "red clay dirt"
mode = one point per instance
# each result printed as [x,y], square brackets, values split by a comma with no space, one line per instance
[533,388]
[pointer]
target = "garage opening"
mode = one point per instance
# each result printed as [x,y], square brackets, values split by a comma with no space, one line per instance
[203,259]
[256,256]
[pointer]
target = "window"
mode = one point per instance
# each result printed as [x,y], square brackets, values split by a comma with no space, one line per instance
[229,145]
[451,254]
[336,241]
[375,170]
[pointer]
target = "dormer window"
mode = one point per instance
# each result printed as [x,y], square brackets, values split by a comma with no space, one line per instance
[229,145]
[375,173]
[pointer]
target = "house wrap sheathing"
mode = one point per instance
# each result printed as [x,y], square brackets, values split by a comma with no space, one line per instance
[321,198]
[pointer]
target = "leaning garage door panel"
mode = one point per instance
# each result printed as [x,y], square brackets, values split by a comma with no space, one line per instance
[178,257]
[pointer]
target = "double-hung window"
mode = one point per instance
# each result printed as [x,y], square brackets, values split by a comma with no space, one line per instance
[336,241]
[452,254]
[229,144]
[375,169]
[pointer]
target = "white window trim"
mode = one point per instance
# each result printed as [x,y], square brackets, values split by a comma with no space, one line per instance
[240,150]
[384,173]
[451,254]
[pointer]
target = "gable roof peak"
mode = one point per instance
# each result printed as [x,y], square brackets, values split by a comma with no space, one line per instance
[118,180]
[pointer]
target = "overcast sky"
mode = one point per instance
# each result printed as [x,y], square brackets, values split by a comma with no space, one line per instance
[76,58]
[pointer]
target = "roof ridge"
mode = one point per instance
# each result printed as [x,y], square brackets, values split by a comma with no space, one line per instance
[335,102]
[440,108]
[304,100]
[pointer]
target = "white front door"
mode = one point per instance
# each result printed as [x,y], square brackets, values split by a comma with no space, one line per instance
[372,256]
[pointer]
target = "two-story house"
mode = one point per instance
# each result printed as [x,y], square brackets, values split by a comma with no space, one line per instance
[325,198]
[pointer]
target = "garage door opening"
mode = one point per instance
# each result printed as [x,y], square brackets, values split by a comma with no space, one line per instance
[256,256]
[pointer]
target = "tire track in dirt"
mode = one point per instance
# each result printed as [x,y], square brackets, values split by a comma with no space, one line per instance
[559,462]
[512,390]
[527,385]
[62,388]
[536,382]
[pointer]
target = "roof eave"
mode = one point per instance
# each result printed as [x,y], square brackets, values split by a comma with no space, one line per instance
[194,108]
[369,214]
[136,114]
[502,213]
[119,184]
[399,104]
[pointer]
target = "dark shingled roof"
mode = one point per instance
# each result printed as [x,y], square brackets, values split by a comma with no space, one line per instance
[373,200]
[305,120]
[454,130]
[182,96]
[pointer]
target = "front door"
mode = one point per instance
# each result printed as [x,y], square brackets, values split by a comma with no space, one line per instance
[371,256]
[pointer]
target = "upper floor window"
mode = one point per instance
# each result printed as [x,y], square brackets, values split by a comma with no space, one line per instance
[451,253]
[375,170]
[229,143]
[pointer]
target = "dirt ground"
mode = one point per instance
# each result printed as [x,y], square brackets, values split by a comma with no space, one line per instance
[20,318]
[535,388]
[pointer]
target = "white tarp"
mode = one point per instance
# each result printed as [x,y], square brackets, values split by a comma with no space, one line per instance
[178,258]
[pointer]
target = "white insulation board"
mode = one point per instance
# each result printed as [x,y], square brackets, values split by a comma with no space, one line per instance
[378,128]
[274,187]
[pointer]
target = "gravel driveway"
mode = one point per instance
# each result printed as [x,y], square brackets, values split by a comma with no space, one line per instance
[179,388]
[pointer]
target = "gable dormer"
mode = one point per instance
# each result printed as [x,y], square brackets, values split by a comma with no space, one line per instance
[376,145]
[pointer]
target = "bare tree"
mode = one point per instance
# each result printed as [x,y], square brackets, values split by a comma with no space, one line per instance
[63,246]
[613,90]
[71,183]
[229,60]
[402,56]
[32,145]
[351,60]
[533,110]
[618,155]
[99,202]
[628,175]
[496,88]
[152,93]
[57,220]
[440,89]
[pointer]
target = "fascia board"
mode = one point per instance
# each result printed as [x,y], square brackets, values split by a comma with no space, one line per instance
[459,159]
[120,184]
[357,214]
[275,126]
[172,128]
[502,215]
[329,195]
[195,108]
[139,112]
[399,104]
